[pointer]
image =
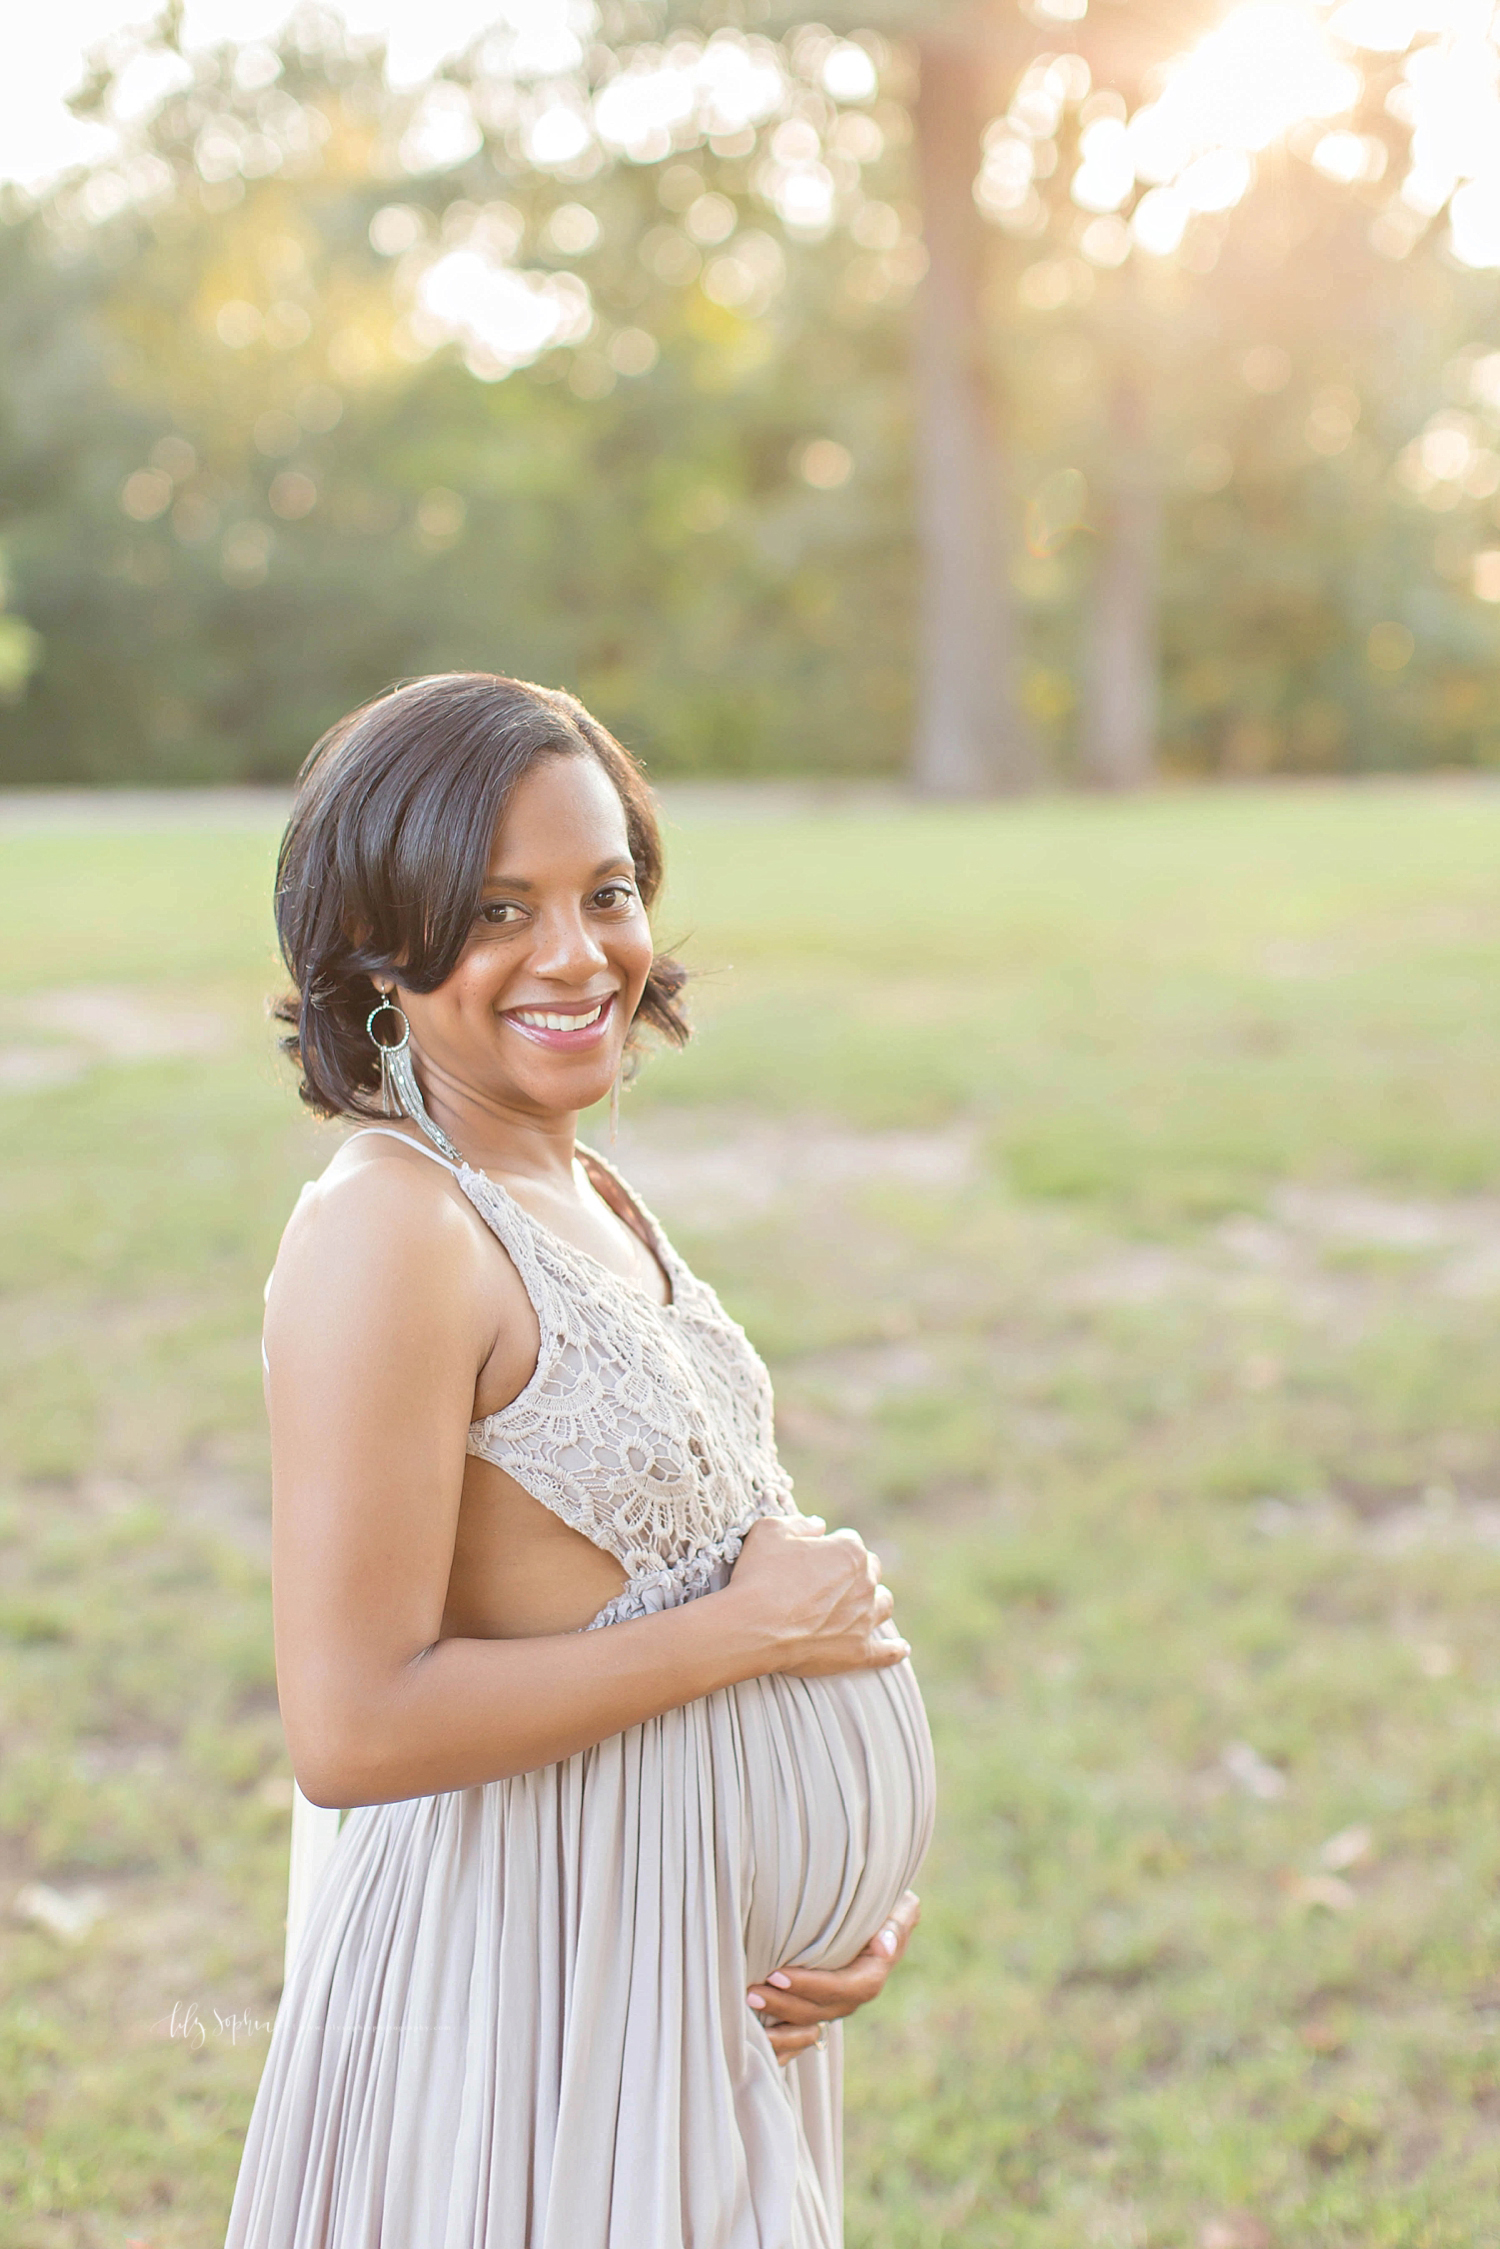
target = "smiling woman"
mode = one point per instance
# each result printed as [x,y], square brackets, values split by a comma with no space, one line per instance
[637,1767]
[389,859]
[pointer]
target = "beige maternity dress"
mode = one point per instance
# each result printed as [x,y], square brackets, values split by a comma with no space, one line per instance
[515,2016]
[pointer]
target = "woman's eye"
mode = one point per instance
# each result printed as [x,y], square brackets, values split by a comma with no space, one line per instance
[615,894]
[497,912]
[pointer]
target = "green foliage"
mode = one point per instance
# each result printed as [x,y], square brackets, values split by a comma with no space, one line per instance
[324,510]
[240,492]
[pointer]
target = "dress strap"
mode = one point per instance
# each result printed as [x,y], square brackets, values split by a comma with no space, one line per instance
[507,1219]
[655,1231]
[389,1132]
[525,1241]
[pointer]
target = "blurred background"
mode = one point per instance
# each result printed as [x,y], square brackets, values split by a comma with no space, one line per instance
[984,394]
[916,434]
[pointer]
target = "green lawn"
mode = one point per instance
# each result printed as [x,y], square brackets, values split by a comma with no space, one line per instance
[1115,1190]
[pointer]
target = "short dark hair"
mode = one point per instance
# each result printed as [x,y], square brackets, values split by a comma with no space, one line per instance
[385,855]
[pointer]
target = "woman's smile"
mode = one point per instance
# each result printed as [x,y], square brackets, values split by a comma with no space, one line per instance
[572,1029]
[558,953]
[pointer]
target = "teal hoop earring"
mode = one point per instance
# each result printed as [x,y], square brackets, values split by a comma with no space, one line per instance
[400,1094]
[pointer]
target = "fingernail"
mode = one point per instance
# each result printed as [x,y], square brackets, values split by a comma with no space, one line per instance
[887,1940]
[782,1983]
[756,2000]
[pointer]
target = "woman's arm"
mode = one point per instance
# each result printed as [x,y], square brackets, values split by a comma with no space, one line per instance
[385,1305]
[467,1711]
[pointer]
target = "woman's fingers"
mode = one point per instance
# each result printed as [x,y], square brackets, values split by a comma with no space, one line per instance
[836,1991]
[891,1939]
[810,1995]
[791,2007]
[802,1996]
[783,2007]
[787,2044]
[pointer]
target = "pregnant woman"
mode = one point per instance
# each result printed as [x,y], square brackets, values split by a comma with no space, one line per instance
[638,1769]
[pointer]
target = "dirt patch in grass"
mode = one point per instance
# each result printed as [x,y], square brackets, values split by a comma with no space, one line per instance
[713,1170]
[86,1025]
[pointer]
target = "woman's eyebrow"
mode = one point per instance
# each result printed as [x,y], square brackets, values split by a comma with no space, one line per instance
[521,882]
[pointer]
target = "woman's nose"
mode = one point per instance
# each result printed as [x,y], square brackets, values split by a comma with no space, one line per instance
[565,946]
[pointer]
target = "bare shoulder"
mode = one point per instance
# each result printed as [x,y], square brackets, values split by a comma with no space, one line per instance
[386,1263]
[380,1190]
[382,1218]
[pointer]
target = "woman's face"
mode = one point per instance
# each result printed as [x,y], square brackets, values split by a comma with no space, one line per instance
[535,1015]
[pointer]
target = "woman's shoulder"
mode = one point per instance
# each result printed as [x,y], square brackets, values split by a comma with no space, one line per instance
[378,1197]
[384,1253]
[382,1163]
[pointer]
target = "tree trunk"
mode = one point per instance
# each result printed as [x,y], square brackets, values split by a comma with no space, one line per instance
[971,738]
[1121,693]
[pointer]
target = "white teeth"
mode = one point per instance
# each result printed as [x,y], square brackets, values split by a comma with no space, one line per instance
[543,1022]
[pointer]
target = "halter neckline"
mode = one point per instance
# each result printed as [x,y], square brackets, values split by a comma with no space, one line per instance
[667,1260]
[393,1132]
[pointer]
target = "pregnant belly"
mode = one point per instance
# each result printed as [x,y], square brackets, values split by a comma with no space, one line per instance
[837,1795]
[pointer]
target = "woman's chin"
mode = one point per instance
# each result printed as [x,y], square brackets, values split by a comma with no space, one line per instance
[563,1090]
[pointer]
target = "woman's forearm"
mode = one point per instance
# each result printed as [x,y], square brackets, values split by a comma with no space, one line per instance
[468,1711]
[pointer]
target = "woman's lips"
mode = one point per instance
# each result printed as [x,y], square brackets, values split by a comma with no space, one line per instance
[568,1030]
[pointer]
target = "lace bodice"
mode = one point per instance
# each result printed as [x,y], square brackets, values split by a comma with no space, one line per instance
[647,1427]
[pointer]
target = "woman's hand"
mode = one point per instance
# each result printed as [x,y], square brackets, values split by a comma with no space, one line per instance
[794,2001]
[816,1596]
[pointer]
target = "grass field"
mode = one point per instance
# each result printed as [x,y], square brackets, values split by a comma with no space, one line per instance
[1115,1191]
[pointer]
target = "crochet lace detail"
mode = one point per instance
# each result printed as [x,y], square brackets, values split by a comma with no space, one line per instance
[647,1427]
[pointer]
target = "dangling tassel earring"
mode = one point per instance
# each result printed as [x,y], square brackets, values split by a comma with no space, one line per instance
[388,1051]
[400,1094]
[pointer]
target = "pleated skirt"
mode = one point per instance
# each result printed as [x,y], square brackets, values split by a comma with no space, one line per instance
[516,2014]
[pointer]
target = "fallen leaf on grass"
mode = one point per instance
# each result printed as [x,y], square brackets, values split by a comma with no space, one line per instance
[1253,1773]
[1347,1848]
[68,1914]
[1329,1890]
[1322,2038]
[1237,2229]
